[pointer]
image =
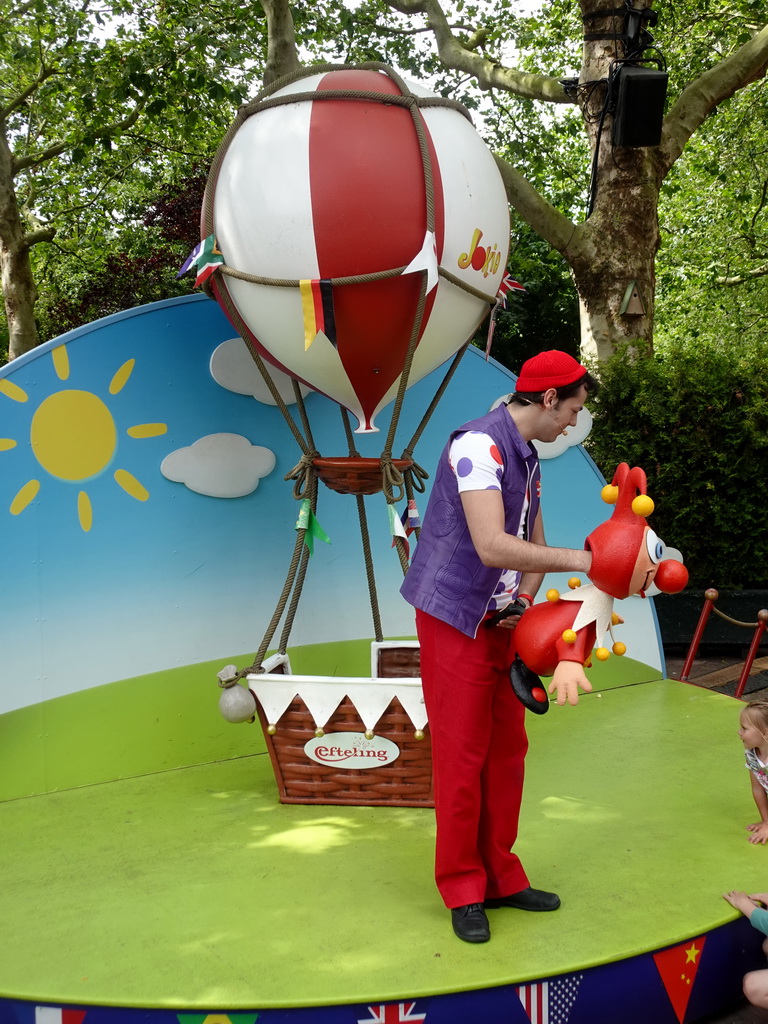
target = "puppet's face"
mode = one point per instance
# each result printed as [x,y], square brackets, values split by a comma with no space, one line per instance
[614,570]
[670,576]
[647,562]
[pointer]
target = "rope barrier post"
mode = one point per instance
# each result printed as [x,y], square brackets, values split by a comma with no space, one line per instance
[762,622]
[710,596]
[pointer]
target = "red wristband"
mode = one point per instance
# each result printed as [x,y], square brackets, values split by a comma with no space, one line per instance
[528,598]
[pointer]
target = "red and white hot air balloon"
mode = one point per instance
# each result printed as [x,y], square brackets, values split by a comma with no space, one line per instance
[311,191]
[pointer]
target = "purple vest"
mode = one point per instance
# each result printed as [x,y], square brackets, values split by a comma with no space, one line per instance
[446,578]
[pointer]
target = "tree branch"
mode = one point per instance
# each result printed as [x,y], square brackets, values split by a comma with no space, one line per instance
[46,234]
[31,89]
[548,222]
[109,131]
[748,275]
[748,64]
[489,73]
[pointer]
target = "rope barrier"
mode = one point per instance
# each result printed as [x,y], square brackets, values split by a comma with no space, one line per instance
[733,622]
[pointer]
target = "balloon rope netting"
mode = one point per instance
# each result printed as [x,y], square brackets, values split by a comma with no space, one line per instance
[395,483]
[413,479]
[406,99]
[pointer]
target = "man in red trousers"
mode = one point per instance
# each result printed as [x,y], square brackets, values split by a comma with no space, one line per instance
[481,548]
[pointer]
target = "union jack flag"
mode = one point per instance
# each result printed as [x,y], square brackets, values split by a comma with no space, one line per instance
[508,284]
[393,1013]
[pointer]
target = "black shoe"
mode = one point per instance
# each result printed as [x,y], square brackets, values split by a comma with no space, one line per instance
[470,923]
[526,899]
[528,687]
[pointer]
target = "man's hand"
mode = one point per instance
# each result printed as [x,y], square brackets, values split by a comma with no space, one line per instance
[566,680]
[758,832]
[509,616]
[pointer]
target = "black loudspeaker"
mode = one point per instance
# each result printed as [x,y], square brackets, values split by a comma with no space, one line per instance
[640,97]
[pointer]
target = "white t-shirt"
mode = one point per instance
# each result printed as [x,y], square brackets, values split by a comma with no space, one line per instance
[477,465]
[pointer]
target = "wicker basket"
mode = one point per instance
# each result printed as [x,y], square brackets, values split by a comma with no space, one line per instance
[353,474]
[405,782]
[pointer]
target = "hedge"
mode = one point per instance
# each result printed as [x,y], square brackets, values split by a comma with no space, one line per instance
[697,422]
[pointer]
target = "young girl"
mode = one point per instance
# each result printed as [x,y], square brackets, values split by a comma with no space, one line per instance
[753,732]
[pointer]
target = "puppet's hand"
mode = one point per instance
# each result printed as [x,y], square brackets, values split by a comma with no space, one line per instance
[566,680]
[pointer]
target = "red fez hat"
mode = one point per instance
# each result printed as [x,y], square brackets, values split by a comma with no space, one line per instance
[552,369]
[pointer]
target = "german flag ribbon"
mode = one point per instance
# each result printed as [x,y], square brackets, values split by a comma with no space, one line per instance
[317,310]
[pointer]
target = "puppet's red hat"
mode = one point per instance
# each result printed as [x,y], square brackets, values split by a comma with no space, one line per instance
[615,543]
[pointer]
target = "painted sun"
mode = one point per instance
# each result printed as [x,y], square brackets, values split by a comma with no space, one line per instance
[73,437]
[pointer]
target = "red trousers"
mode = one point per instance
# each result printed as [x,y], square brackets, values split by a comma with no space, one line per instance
[477,726]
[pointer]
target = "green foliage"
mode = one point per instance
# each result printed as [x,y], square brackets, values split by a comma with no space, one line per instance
[100,103]
[712,271]
[696,420]
[139,266]
[545,316]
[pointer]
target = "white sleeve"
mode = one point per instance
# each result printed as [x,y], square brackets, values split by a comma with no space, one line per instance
[476,462]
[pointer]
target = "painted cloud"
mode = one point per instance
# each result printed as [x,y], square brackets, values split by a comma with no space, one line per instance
[219,465]
[233,368]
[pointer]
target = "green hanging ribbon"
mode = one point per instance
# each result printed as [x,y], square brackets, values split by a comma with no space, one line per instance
[307,521]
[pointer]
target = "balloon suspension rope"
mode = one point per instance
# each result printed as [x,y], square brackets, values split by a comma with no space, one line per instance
[365,538]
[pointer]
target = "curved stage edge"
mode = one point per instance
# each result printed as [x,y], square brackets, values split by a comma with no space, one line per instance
[193,896]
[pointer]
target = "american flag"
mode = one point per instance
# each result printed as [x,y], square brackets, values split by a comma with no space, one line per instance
[549,1002]
[393,1013]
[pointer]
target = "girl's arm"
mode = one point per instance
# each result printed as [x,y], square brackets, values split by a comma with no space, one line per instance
[759,830]
[758,917]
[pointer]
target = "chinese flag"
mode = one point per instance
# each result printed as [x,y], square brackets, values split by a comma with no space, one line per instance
[677,968]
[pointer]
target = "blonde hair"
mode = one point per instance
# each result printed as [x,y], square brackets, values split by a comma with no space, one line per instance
[756,713]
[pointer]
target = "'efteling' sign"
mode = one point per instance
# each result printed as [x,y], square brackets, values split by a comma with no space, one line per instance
[351,750]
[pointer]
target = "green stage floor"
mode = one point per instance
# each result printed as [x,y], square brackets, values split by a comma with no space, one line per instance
[196,889]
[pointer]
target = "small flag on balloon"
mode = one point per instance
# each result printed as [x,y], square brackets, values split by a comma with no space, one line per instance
[307,521]
[206,256]
[507,285]
[397,529]
[317,309]
[426,259]
[410,518]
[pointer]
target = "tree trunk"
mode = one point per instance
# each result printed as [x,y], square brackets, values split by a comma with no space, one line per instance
[612,253]
[19,291]
[612,258]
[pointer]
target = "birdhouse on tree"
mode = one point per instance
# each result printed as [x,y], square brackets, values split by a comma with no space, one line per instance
[632,304]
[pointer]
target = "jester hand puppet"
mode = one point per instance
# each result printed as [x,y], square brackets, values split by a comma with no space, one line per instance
[557,637]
